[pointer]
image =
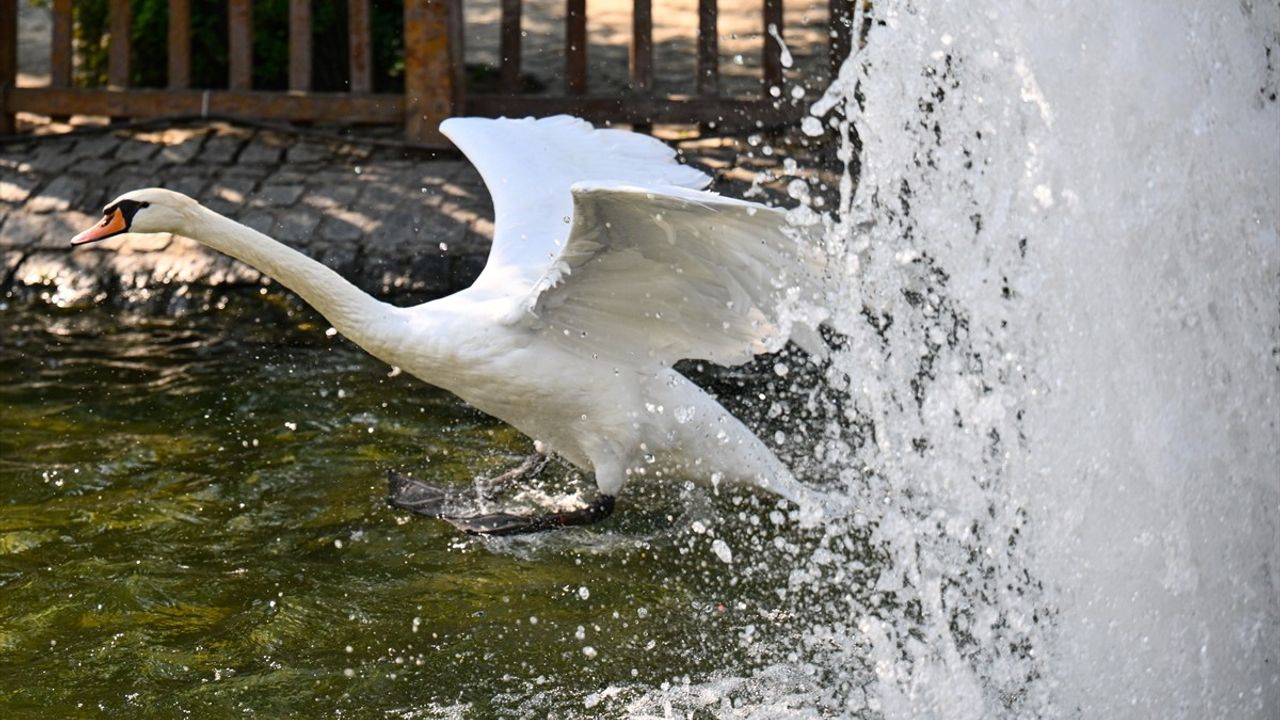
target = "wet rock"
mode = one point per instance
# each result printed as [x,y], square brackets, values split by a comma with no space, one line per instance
[221,149]
[52,157]
[9,259]
[96,146]
[289,176]
[54,231]
[380,198]
[70,278]
[233,192]
[277,195]
[260,220]
[96,169]
[21,230]
[63,193]
[126,181]
[308,152]
[343,226]
[184,151]
[296,225]
[441,171]
[341,256]
[136,243]
[261,152]
[191,184]
[15,188]
[187,261]
[135,151]
[327,192]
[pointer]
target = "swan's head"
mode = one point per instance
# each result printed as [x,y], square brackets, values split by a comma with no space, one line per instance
[150,210]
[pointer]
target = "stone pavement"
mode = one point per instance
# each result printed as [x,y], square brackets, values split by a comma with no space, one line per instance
[418,225]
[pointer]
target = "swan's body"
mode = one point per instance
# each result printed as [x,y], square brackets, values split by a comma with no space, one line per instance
[608,265]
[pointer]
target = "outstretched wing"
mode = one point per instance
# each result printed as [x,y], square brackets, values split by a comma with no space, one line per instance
[529,166]
[658,274]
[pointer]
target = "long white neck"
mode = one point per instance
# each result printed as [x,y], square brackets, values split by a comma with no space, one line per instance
[363,319]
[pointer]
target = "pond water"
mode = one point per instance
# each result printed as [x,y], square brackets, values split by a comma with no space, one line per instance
[1052,400]
[193,522]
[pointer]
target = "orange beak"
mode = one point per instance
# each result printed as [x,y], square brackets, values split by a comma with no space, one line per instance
[112,224]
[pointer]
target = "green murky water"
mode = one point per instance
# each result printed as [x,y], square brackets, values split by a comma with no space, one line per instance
[192,522]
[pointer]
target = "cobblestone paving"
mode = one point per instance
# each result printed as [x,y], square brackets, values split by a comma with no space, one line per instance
[391,223]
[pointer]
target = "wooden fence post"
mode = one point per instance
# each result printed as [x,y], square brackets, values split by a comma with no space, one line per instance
[772,60]
[359,45]
[8,61]
[642,46]
[708,50]
[510,60]
[121,13]
[179,44]
[840,32]
[60,46]
[432,67]
[240,44]
[575,38]
[300,45]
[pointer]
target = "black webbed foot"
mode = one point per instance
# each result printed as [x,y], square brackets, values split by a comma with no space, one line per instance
[448,504]
[528,469]
[510,524]
[418,497]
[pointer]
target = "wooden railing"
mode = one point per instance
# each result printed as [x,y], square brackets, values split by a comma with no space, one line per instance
[433,71]
[640,105]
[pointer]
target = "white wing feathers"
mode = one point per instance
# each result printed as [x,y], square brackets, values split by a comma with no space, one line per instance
[604,241]
[659,274]
[529,166]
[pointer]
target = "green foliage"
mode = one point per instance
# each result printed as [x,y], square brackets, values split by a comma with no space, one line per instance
[91,41]
[209,56]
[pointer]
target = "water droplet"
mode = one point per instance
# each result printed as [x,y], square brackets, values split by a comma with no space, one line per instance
[722,551]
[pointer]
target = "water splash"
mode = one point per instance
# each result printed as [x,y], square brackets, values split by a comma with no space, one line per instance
[784,53]
[1056,405]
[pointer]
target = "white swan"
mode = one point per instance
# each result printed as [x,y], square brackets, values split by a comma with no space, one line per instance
[609,264]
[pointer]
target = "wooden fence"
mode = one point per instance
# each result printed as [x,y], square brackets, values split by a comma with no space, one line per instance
[433,71]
